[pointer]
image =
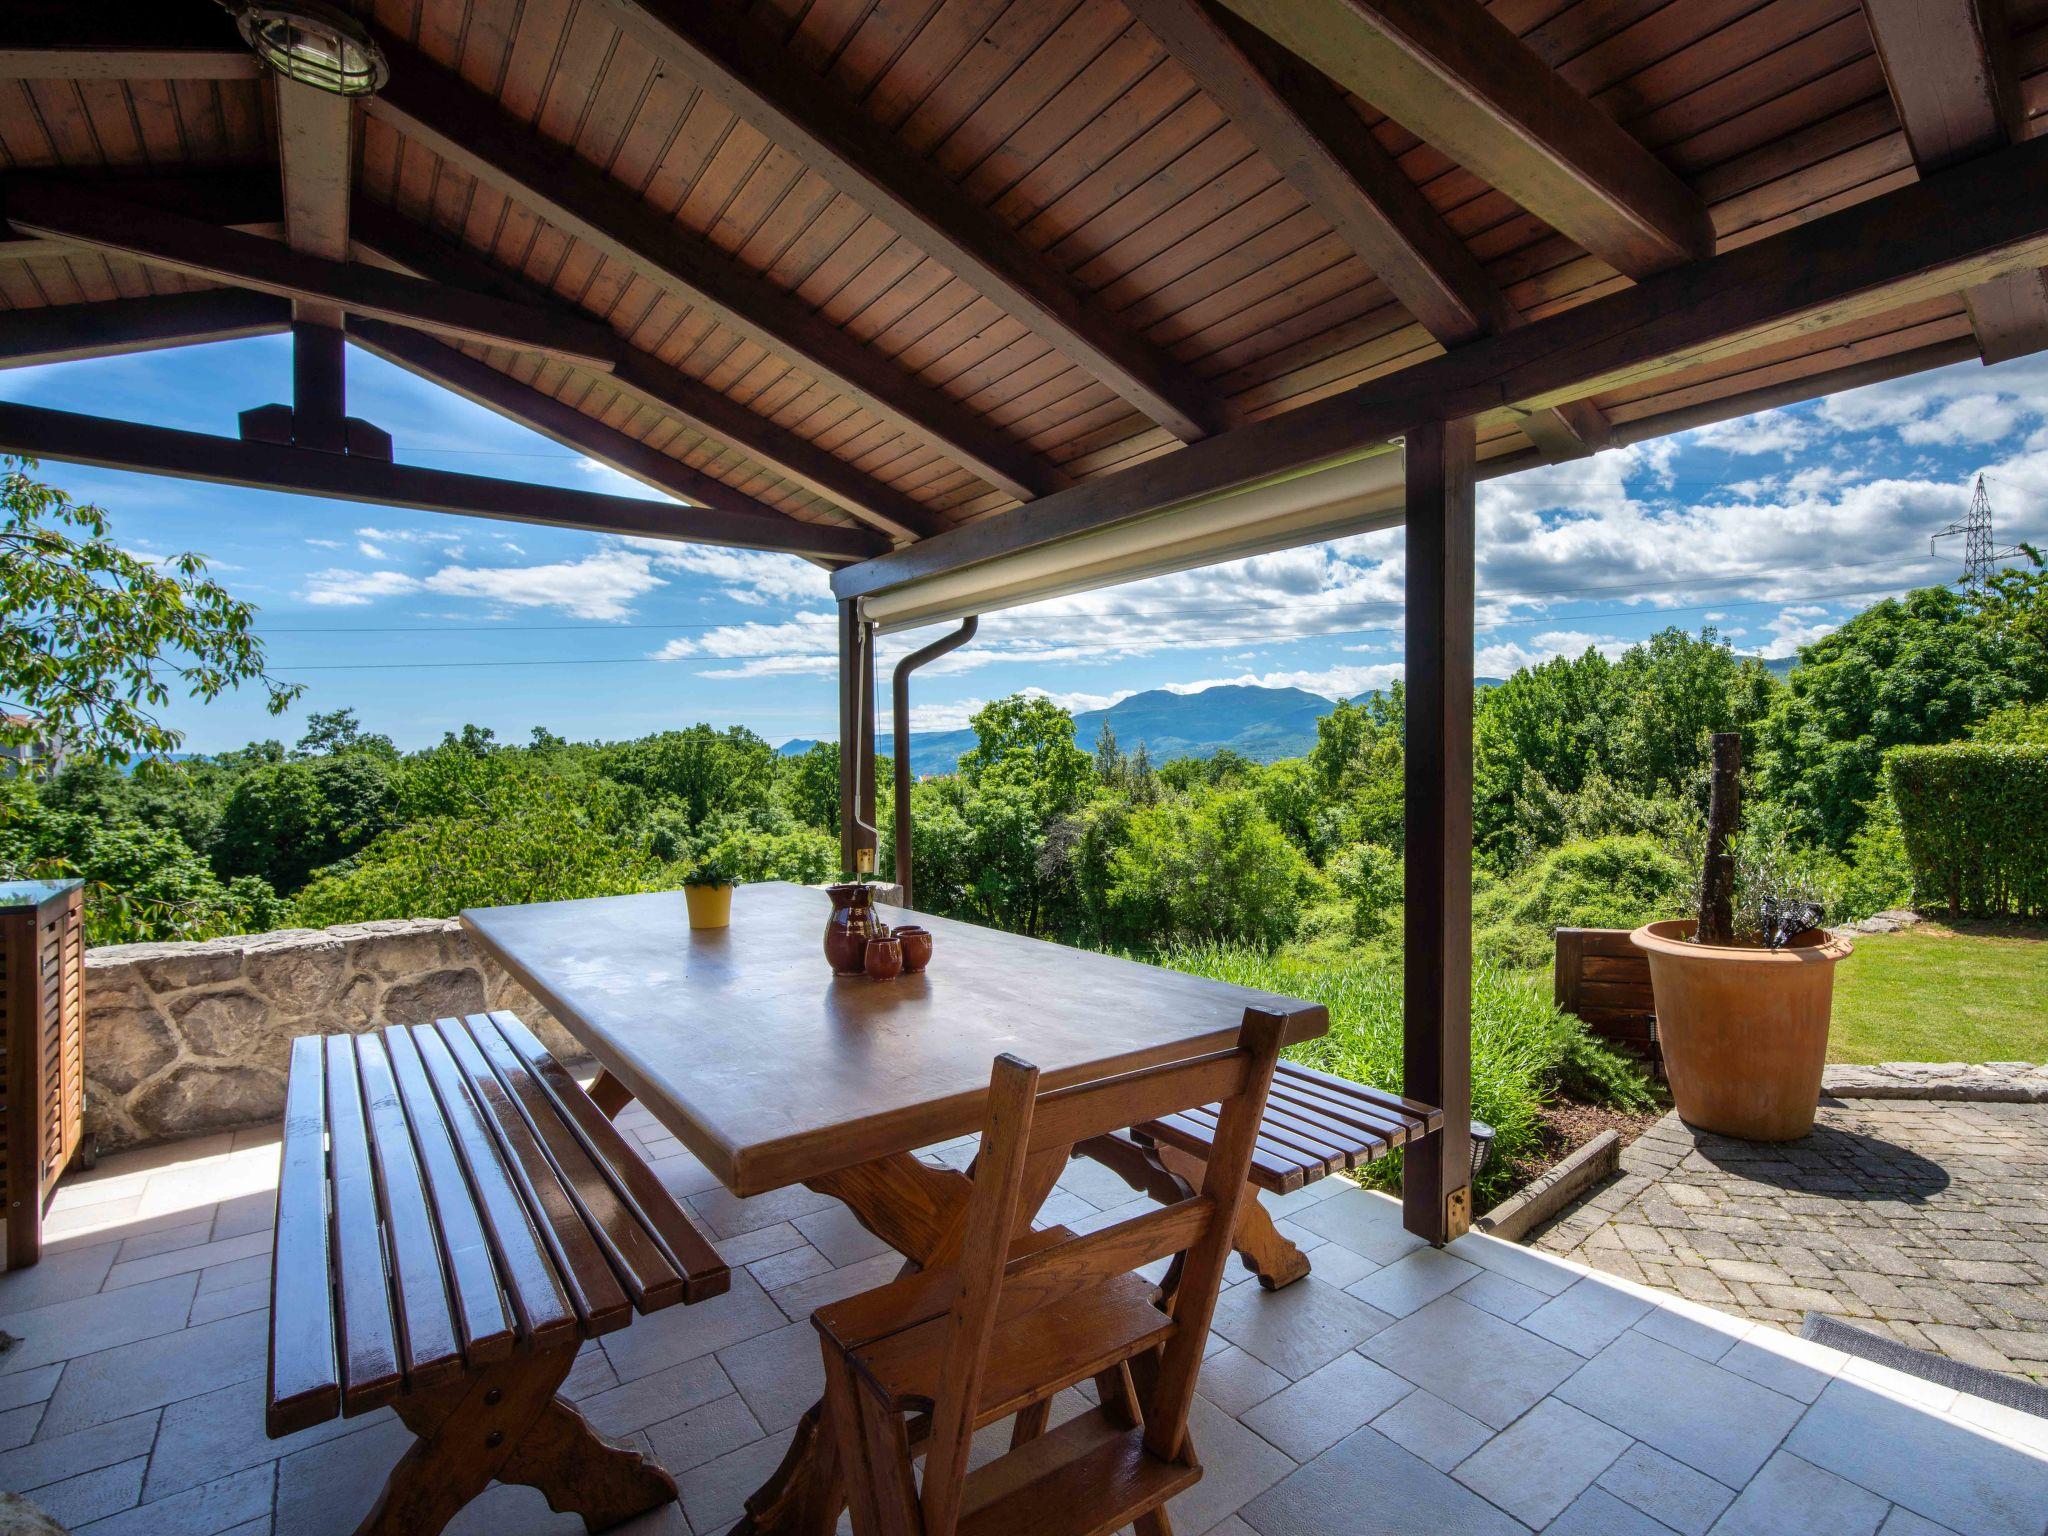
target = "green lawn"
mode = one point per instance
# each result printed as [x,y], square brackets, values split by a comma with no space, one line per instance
[1930,994]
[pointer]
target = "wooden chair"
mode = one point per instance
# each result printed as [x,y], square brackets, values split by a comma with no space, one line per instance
[454,1218]
[1021,1315]
[1314,1125]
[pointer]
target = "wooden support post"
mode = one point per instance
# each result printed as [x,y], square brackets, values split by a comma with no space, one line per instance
[319,388]
[856,740]
[1717,869]
[1436,1195]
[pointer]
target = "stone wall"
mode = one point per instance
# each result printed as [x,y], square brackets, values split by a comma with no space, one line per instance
[183,1038]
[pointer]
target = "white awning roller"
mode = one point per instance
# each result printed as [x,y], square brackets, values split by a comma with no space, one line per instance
[1353,495]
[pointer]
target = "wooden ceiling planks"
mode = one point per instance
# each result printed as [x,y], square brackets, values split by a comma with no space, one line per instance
[1069,126]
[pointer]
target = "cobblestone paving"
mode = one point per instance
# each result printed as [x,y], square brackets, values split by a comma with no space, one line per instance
[1927,1221]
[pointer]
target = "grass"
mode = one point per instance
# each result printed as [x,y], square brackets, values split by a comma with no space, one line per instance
[1937,994]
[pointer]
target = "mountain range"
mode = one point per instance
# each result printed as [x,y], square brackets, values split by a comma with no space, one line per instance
[1264,724]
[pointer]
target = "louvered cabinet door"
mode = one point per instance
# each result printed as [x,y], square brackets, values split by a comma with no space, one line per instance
[42,1065]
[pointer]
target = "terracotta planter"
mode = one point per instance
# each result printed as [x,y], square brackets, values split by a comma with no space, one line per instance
[1744,1031]
[710,905]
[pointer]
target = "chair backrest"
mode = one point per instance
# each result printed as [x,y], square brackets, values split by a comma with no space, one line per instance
[1024,1142]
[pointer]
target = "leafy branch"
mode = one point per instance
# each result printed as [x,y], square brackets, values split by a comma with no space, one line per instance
[97,639]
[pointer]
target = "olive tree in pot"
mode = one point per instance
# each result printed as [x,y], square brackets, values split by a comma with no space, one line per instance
[1745,990]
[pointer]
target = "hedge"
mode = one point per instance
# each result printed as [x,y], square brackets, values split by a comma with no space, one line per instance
[1974,816]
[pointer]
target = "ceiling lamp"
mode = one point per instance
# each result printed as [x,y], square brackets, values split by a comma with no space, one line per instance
[314,44]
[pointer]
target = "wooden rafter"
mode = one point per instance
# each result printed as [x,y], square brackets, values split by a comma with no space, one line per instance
[106,444]
[1950,69]
[1301,122]
[120,40]
[479,382]
[470,131]
[1979,221]
[62,333]
[745,67]
[78,216]
[1451,73]
[655,383]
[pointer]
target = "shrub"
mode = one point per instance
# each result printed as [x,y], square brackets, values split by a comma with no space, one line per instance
[1523,1049]
[1970,815]
[1606,882]
[1369,876]
[285,820]
[1207,870]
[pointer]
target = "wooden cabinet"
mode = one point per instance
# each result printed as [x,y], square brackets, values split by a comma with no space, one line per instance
[42,1025]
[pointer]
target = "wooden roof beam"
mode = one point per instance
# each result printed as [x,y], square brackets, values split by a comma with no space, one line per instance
[747,69]
[665,388]
[63,333]
[78,216]
[535,409]
[121,40]
[1950,68]
[1301,121]
[470,131]
[1450,73]
[107,444]
[1967,226]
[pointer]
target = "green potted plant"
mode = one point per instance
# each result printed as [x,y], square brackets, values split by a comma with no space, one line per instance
[707,889]
[1745,991]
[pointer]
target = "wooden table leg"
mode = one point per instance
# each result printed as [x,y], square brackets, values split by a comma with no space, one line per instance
[609,1094]
[1267,1254]
[504,1422]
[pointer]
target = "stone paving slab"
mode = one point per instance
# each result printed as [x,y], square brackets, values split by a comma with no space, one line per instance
[1487,1388]
[1924,1219]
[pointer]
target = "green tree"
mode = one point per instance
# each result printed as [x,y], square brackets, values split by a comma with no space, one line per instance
[95,639]
[1112,766]
[704,768]
[285,820]
[1916,670]
[1028,740]
[339,730]
[1370,878]
[810,786]
[1212,869]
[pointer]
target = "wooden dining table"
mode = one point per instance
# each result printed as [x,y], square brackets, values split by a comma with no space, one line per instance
[774,1072]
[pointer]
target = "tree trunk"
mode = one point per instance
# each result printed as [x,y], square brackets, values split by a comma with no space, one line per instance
[1717,869]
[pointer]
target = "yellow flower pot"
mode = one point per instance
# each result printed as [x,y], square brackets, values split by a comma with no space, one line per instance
[710,905]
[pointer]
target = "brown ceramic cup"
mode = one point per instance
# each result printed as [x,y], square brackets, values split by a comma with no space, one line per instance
[917,946]
[885,959]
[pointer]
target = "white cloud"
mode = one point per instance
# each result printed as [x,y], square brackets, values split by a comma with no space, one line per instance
[746,575]
[1797,625]
[1971,419]
[353,589]
[599,586]
[1765,432]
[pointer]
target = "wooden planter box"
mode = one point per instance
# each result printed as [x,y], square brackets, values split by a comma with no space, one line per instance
[42,1068]
[1605,980]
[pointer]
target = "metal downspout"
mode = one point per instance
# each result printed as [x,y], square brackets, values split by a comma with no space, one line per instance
[899,699]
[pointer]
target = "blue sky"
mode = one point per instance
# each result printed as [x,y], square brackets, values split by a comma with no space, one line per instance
[1774,527]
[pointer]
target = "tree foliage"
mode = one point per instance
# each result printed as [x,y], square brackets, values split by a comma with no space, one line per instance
[1915,670]
[96,639]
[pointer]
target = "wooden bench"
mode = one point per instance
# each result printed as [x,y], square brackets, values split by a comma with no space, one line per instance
[454,1218]
[1314,1125]
[1605,980]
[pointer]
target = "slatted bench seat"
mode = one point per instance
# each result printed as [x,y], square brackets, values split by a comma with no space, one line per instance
[454,1218]
[1314,1125]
